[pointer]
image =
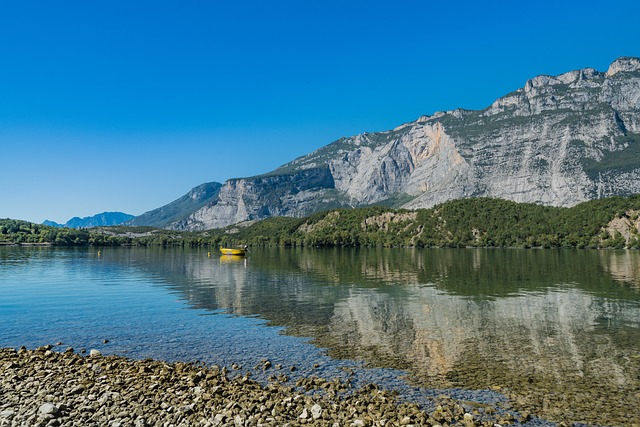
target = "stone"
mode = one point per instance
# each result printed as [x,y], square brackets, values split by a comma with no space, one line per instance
[316,411]
[7,414]
[218,419]
[48,409]
[187,409]
[468,420]
[121,394]
[95,353]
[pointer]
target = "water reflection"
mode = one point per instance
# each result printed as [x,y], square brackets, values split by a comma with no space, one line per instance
[623,266]
[558,331]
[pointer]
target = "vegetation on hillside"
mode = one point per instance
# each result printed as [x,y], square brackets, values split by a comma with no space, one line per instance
[477,222]
[13,231]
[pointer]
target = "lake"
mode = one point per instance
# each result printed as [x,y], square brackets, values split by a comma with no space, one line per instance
[555,333]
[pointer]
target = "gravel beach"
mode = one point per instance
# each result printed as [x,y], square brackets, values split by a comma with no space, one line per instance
[43,387]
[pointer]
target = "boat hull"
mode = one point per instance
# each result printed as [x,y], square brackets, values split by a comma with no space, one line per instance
[230,251]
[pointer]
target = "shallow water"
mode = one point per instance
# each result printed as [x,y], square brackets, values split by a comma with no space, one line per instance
[555,332]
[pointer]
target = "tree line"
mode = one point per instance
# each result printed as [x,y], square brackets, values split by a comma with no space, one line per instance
[474,222]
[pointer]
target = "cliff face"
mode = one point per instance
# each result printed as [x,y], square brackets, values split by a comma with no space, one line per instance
[298,193]
[557,141]
[179,209]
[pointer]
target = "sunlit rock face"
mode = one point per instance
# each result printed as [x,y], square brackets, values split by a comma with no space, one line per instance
[559,140]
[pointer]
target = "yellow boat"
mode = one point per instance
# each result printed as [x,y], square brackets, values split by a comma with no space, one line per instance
[231,251]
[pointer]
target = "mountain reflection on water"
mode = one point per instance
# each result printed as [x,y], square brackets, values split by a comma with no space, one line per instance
[557,331]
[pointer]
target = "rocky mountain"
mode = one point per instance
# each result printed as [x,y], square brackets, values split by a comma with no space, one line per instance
[99,220]
[179,209]
[559,140]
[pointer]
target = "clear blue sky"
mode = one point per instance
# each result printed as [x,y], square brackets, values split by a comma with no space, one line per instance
[126,105]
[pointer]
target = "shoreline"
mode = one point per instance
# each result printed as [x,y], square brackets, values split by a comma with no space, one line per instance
[42,387]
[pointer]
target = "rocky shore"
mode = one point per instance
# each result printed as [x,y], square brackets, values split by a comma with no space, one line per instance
[43,387]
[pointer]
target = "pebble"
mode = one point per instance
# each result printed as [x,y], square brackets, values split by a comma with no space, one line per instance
[304,414]
[316,411]
[72,389]
[48,409]
[7,414]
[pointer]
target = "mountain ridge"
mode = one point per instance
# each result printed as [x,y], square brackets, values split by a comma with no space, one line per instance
[178,209]
[558,140]
[102,219]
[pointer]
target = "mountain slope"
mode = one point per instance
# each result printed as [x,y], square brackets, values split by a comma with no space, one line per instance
[180,208]
[99,220]
[557,141]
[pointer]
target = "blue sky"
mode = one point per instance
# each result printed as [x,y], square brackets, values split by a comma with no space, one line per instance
[125,106]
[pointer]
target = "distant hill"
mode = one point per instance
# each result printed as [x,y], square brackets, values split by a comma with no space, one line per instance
[180,208]
[99,220]
[52,223]
[612,222]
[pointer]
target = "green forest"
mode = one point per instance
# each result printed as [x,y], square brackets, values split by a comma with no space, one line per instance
[474,222]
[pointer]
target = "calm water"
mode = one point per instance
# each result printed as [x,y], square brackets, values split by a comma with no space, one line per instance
[555,333]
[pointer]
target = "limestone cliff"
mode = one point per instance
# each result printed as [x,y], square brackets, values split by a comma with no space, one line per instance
[559,140]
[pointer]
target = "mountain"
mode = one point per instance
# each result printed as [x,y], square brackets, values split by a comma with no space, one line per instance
[98,220]
[52,223]
[180,208]
[558,141]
